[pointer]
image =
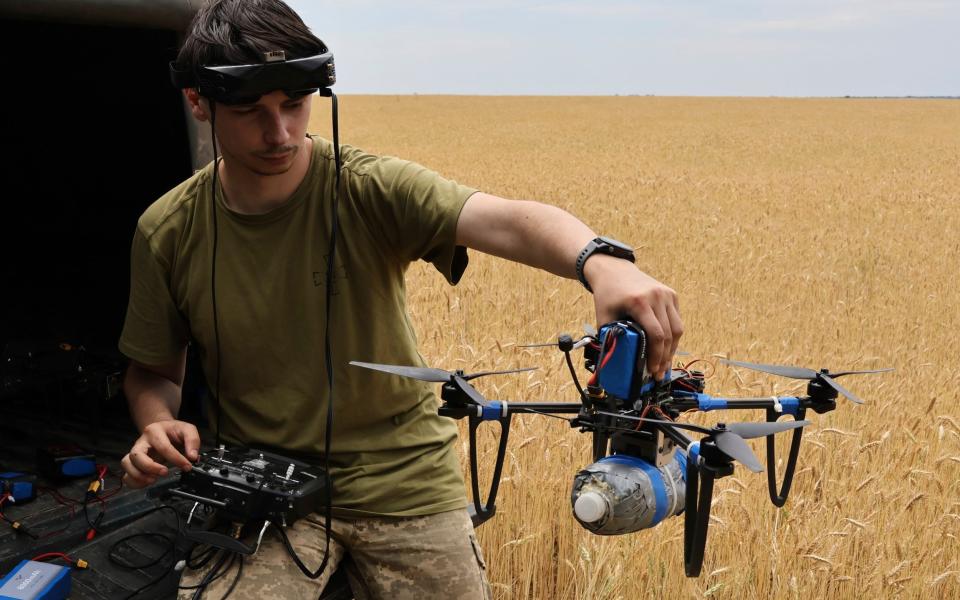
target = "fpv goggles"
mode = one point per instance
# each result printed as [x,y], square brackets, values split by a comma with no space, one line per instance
[244,84]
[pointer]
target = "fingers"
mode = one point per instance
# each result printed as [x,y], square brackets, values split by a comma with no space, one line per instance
[187,437]
[656,324]
[668,317]
[676,326]
[657,311]
[144,463]
[666,343]
[191,443]
[133,476]
[160,445]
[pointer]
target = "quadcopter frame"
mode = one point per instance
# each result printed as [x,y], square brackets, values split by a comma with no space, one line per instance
[606,417]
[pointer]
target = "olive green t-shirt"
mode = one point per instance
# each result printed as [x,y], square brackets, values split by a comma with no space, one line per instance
[391,454]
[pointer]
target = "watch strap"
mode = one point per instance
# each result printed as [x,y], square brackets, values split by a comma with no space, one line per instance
[601,245]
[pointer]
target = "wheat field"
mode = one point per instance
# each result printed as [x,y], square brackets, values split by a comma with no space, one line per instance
[820,233]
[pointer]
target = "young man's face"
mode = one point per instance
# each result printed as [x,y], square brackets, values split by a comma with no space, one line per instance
[266,137]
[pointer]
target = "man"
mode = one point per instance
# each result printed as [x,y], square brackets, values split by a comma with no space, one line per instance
[242,274]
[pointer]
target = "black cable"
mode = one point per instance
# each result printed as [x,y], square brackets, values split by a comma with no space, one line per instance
[296,559]
[573,374]
[216,572]
[331,270]
[212,575]
[171,546]
[215,569]
[213,269]
[171,550]
[208,553]
[235,579]
[19,527]
[517,409]
[328,360]
[95,524]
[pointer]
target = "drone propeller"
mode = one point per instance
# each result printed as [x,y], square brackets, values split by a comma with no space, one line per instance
[439,376]
[420,373]
[507,372]
[564,342]
[470,391]
[729,438]
[804,373]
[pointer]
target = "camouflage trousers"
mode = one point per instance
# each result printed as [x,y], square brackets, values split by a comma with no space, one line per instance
[401,558]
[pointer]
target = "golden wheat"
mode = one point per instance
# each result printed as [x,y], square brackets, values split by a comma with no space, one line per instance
[813,232]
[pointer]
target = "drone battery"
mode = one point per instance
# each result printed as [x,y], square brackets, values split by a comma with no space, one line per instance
[21,486]
[32,580]
[619,367]
[65,461]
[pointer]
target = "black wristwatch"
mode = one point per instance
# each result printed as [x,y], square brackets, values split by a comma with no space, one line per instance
[604,245]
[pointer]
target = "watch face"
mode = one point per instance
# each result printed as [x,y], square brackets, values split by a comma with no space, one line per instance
[615,244]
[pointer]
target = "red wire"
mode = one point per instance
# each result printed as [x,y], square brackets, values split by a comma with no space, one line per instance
[606,358]
[713,369]
[53,533]
[61,500]
[643,415]
[608,354]
[53,555]
[663,414]
[114,491]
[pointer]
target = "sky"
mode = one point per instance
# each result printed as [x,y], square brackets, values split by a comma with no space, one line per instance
[664,47]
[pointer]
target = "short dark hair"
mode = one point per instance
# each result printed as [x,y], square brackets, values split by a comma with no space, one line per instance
[237,32]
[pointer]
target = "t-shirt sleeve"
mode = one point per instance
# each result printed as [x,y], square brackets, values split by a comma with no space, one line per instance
[154,331]
[417,211]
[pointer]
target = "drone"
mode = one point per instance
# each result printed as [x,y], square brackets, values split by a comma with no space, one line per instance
[646,467]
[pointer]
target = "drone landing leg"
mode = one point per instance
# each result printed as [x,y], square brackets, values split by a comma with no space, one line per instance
[696,517]
[482,511]
[780,498]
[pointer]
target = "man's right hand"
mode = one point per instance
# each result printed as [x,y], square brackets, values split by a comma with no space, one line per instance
[160,443]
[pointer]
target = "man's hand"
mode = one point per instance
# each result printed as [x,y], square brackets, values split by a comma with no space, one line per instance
[158,445]
[621,290]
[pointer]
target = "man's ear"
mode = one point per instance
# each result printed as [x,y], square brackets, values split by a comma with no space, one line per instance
[199,105]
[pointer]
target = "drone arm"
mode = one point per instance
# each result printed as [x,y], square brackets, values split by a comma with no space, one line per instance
[677,436]
[706,403]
